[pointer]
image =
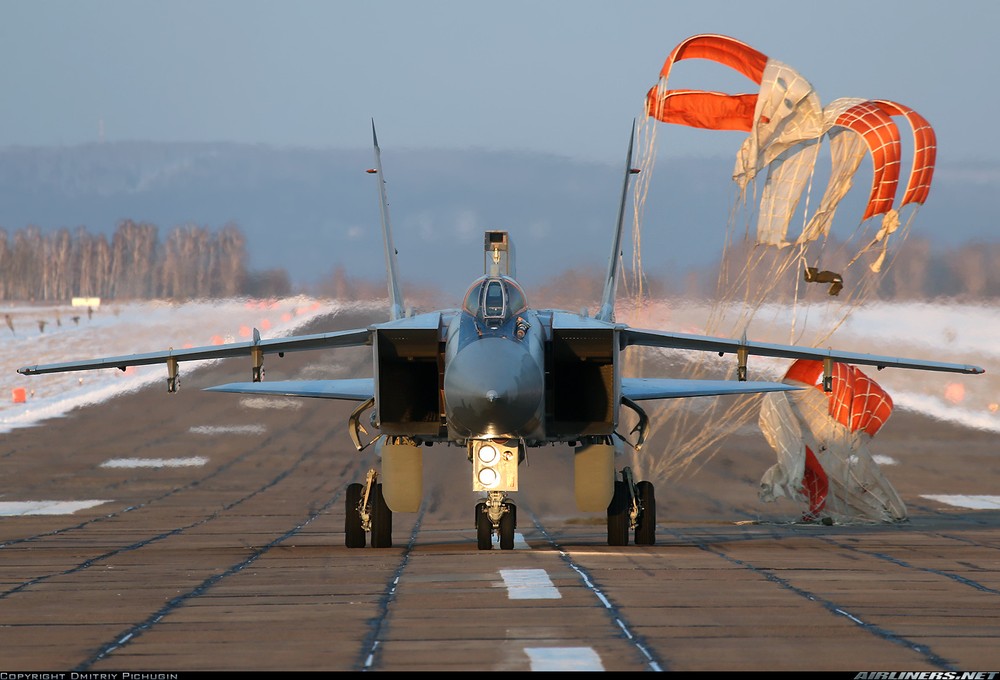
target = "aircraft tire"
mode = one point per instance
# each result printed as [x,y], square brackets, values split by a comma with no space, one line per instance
[381,520]
[354,534]
[484,528]
[618,516]
[508,522]
[645,528]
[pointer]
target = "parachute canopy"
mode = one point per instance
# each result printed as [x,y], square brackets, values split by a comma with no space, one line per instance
[787,123]
[822,443]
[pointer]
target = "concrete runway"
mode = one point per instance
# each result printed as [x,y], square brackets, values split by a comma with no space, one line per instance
[238,563]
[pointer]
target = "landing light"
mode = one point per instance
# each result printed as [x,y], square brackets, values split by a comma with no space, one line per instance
[488,455]
[488,477]
[494,464]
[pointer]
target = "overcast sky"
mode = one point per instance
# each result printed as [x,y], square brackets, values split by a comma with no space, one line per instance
[564,77]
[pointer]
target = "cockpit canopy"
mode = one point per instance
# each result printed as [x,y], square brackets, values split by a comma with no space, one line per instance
[494,299]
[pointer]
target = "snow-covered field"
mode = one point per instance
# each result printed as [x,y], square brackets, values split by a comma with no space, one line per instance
[117,329]
[937,331]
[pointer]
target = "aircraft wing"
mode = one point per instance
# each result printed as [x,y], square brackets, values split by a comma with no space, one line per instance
[348,338]
[707,343]
[357,389]
[638,389]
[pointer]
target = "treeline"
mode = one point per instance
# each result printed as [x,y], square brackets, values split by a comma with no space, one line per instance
[916,270]
[193,262]
[196,262]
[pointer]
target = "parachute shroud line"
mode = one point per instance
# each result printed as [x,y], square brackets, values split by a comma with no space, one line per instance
[787,128]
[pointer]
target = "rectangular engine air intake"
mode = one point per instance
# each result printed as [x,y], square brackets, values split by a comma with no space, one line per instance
[407,381]
[581,369]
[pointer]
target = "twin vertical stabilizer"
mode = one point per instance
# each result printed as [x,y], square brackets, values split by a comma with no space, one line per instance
[395,295]
[607,310]
[499,252]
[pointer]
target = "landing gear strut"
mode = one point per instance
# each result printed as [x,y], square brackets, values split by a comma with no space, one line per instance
[367,512]
[633,506]
[495,515]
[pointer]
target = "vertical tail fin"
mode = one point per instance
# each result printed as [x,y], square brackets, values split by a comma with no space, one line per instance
[607,310]
[395,295]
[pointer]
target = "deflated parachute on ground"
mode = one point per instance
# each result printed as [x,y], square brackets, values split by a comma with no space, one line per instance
[822,443]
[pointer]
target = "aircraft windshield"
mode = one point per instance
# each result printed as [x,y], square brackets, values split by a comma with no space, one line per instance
[494,299]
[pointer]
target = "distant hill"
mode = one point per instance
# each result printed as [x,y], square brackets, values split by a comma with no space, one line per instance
[311,211]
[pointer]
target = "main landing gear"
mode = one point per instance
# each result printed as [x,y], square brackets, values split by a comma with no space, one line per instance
[495,515]
[367,512]
[633,506]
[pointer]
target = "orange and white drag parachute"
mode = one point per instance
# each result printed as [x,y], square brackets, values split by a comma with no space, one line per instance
[822,443]
[706,109]
[764,260]
[784,119]
[919,183]
[782,112]
[787,124]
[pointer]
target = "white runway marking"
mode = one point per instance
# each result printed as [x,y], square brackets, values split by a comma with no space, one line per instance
[564,659]
[270,402]
[529,584]
[18,508]
[228,429]
[519,542]
[154,462]
[971,502]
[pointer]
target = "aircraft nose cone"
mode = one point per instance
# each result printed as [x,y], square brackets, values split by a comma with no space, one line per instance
[493,387]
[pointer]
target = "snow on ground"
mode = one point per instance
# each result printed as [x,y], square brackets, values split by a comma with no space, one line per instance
[936,331]
[124,328]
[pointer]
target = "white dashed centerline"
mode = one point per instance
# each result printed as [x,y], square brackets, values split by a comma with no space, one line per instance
[519,542]
[529,584]
[564,659]
[535,584]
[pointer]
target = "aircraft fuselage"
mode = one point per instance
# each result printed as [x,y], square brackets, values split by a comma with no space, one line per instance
[494,381]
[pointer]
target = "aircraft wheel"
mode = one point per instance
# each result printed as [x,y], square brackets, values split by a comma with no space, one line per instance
[508,522]
[645,529]
[618,516]
[484,527]
[381,520]
[354,535]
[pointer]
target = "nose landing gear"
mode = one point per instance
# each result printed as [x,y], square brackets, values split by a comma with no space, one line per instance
[496,516]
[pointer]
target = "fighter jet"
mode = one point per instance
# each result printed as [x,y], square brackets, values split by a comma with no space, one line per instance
[494,380]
